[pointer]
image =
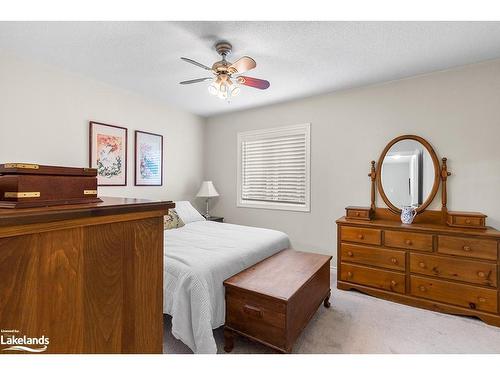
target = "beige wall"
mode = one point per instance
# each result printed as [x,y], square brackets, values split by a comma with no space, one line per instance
[44,114]
[458,111]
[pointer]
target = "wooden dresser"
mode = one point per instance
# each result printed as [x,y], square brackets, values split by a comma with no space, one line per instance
[433,266]
[87,277]
[445,261]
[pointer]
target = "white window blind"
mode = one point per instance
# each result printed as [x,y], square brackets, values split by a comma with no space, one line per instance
[274,168]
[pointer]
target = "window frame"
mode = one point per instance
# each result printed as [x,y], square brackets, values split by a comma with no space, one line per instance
[260,134]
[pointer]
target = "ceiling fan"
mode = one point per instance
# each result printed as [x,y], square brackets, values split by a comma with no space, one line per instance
[227,77]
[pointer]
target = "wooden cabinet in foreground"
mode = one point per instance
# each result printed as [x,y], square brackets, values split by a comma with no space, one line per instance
[82,278]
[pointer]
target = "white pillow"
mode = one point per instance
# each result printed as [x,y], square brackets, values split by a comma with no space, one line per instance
[187,212]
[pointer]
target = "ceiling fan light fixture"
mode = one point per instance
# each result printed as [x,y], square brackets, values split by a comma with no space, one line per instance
[228,81]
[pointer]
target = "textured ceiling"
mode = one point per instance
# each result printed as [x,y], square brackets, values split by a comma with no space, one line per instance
[299,58]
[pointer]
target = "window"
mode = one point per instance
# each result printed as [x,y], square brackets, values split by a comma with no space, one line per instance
[274,168]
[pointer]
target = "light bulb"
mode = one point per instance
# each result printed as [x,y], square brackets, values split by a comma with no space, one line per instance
[212,89]
[235,90]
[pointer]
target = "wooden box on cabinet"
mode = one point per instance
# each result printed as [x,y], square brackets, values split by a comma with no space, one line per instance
[25,185]
[88,277]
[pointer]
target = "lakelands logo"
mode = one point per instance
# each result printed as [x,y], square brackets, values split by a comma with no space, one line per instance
[22,343]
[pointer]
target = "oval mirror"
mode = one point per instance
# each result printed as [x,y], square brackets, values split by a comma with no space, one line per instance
[408,173]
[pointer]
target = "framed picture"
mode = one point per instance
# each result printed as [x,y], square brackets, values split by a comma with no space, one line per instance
[108,153]
[148,159]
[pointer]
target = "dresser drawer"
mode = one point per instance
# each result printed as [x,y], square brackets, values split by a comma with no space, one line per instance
[387,280]
[358,213]
[408,240]
[361,235]
[373,256]
[472,297]
[468,247]
[454,269]
[466,219]
[256,317]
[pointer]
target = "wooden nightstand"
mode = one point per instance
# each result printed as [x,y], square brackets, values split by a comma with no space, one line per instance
[215,218]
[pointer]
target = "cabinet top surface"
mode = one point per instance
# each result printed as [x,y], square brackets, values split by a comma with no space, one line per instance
[108,206]
[425,227]
[280,275]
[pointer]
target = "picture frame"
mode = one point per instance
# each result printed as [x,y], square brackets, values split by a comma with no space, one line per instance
[108,153]
[148,159]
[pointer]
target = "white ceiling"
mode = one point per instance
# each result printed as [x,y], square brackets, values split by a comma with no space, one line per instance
[299,58]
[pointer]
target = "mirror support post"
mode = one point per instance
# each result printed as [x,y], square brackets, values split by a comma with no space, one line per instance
[444,176]
[372,176]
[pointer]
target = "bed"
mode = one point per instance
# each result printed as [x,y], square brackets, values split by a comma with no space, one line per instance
[198,257]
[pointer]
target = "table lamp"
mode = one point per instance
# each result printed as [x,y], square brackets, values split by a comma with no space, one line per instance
[207,190]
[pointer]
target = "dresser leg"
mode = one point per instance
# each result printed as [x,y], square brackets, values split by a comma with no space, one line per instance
[228,340]
[326,302]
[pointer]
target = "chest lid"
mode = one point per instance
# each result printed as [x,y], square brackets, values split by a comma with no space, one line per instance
[37,169]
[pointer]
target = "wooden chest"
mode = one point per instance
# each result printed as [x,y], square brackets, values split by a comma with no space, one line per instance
[25,185]
[274,300]
[428,265]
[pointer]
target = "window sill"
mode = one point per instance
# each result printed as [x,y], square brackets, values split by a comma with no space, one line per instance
[273,206]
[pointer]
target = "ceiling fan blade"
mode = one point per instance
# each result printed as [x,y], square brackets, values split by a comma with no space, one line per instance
[195,63]
[243,64]
[253,82]
[196,80]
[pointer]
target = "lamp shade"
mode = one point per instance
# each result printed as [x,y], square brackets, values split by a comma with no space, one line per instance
[207,190]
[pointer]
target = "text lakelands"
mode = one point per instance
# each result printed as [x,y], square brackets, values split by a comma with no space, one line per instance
[23,340]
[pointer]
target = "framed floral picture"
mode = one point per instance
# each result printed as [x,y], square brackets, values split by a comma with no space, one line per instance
[148,159]
[108,153]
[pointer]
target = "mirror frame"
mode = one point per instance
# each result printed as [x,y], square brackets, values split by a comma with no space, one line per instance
[435,162]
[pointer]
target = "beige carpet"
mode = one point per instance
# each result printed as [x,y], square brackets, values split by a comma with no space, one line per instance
[357,323]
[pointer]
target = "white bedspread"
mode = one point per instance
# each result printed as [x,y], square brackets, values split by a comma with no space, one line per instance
[197,259]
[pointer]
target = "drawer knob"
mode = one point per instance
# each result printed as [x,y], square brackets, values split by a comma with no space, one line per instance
[394,260]
[422,288]
[360,236]
[422,265]
[393,283]
[467,221]
[408,242]
[357,213]
[467,248]
[350,253]
[349,274]
[481,299]
[480,274]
